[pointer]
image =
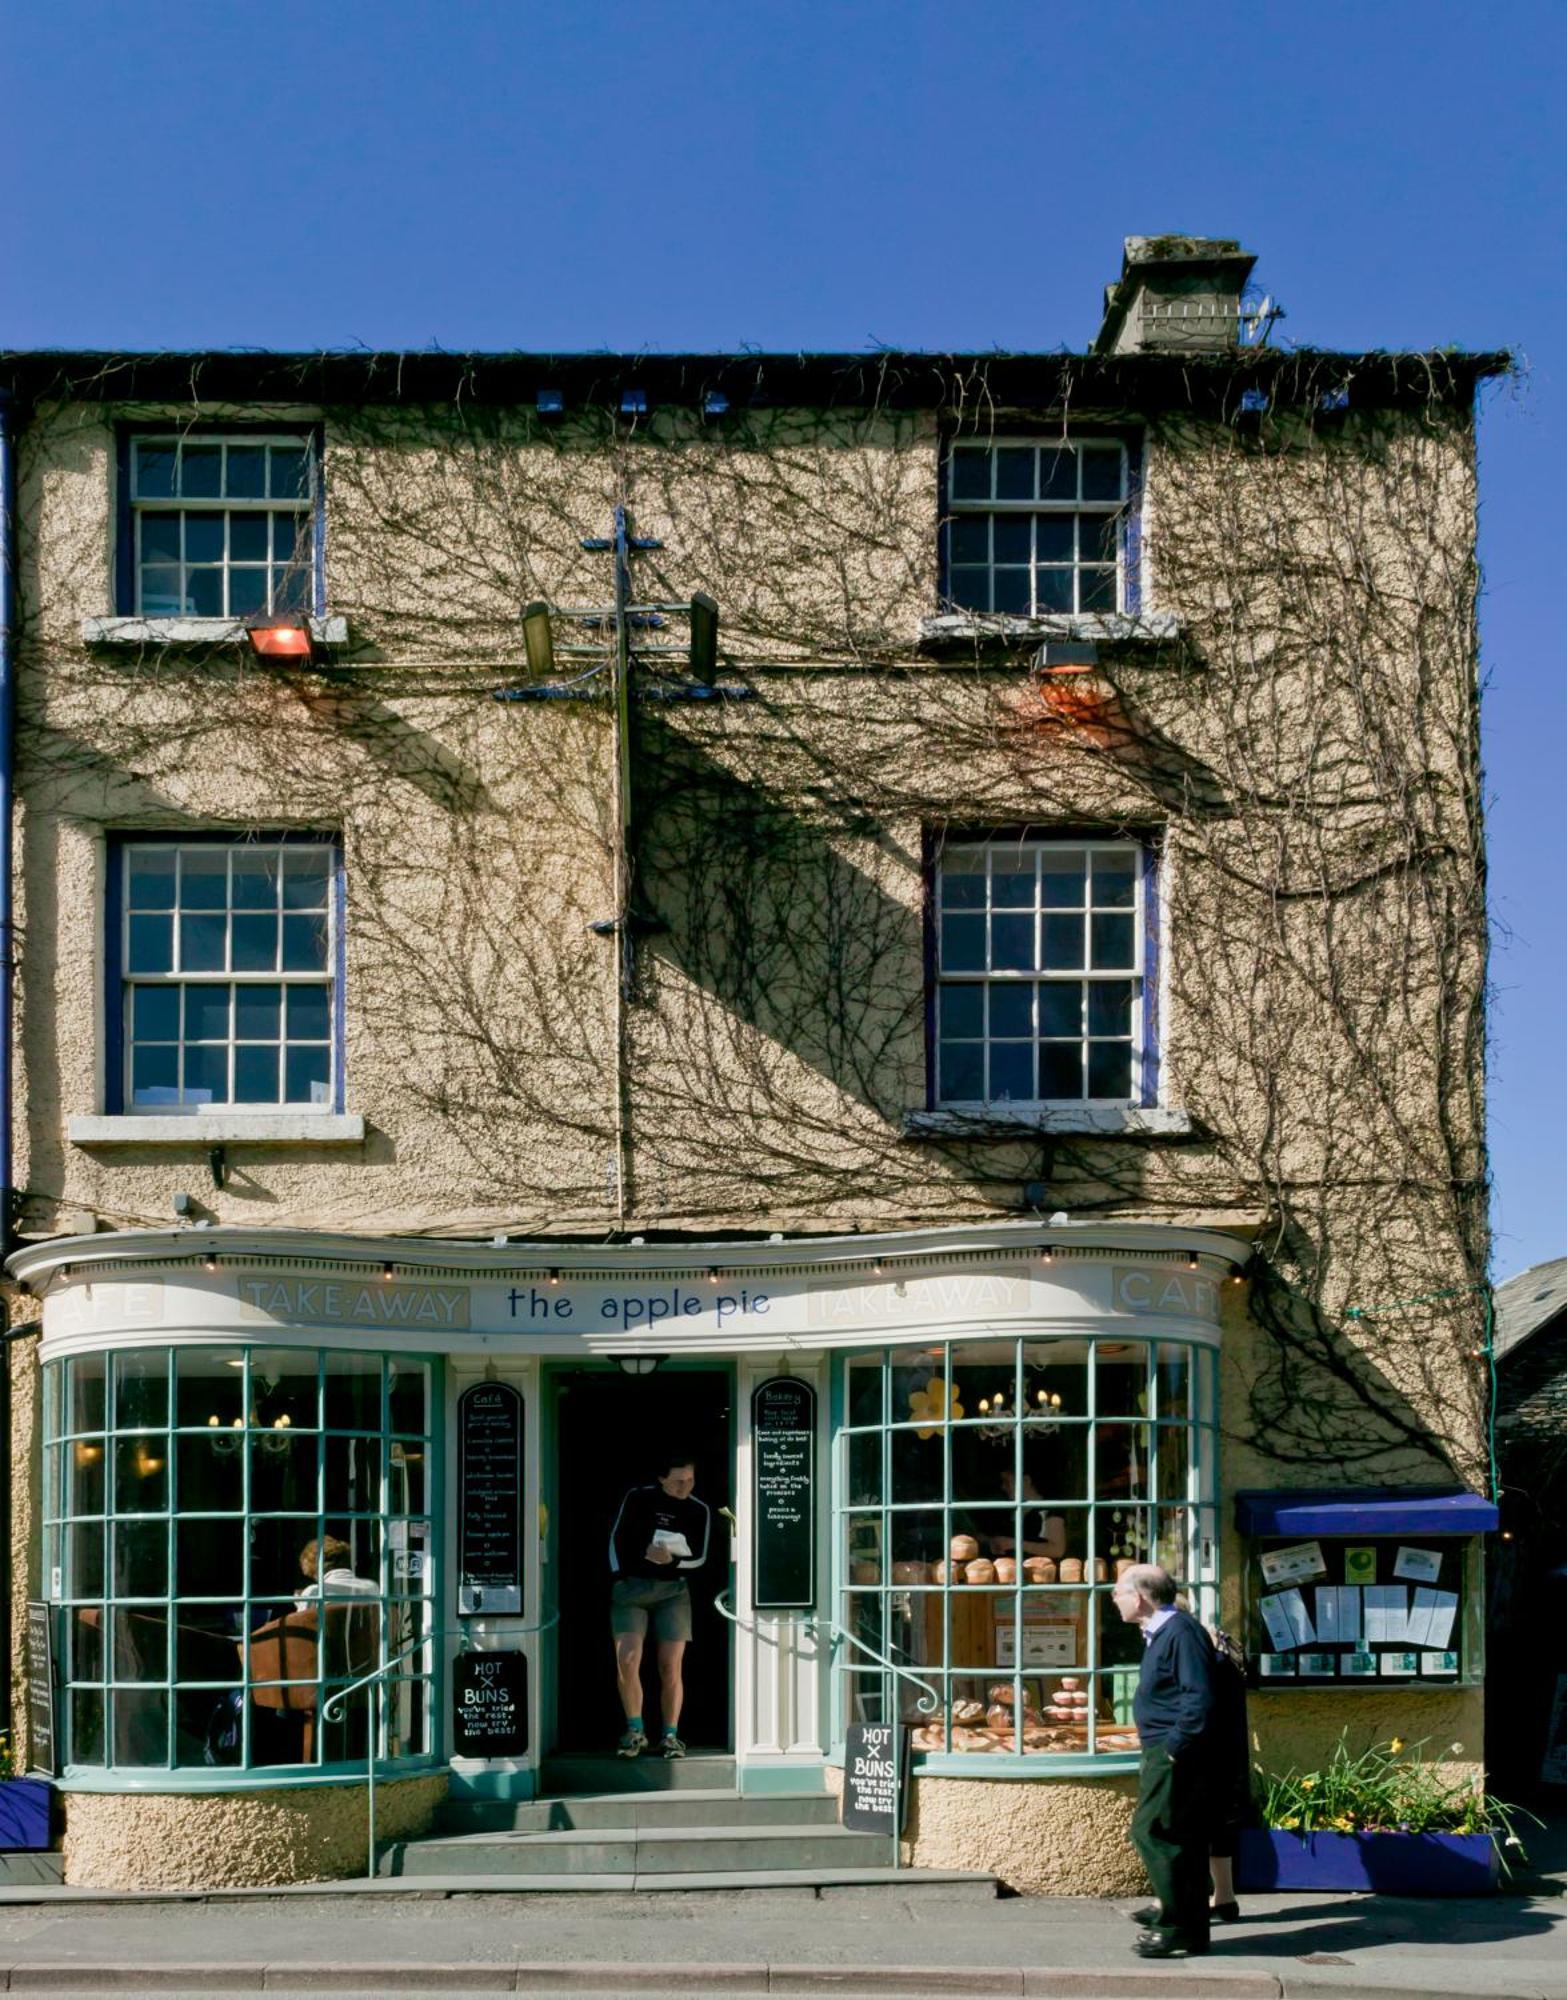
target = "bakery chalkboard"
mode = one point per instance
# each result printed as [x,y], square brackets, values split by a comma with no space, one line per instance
[40,1690]
[490,1705]
[489,1499]
[875,1777]
[783,1512]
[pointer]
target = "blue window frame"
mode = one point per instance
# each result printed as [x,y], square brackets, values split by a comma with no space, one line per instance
[225,961]
[1044,988]
[219,522]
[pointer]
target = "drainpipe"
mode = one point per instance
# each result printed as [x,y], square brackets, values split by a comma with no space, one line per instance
[7,986]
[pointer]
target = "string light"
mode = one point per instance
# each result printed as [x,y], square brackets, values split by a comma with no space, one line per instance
[388,1271]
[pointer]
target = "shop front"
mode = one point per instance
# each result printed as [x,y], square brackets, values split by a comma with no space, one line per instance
[304,1499]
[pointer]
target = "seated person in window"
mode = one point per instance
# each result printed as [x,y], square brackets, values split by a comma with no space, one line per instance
[329,1564]
[1044,1534]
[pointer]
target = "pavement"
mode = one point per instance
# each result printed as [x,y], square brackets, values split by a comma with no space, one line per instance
[849,1942]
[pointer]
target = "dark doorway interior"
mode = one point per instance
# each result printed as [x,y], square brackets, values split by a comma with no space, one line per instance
[609,1426]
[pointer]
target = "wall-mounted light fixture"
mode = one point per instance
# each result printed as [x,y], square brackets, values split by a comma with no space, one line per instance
[537,639]
[704,637]
[288,638]
[640,1364]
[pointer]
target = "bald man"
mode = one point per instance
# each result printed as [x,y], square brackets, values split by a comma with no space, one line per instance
[1175,1714]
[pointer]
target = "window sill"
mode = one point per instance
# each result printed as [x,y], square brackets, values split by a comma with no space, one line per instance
[220,1128]
[193,631]
[968,628]
[1115,1121]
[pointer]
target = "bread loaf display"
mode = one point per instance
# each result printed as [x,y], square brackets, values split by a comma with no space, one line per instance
[1006,1569]
[1039,1569]
[1071,1570]
[980,1570]
[963,1548]
[911,1572]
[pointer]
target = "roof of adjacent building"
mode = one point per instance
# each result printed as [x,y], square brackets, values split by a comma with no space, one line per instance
[1528,1302]
[885,378]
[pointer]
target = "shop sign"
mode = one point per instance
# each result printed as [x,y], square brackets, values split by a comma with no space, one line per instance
[355,1302]
[875,1777]
[490,1705]
[783,1461]
[489,1499]
[40,1690]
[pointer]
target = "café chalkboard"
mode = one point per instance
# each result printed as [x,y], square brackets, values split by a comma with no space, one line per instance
[783,1514]
[40,1690]
[490,1705]
[489,1499]
[875,1777]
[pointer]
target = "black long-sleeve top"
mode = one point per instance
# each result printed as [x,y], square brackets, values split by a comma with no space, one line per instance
[1175,1701]
[646,1509]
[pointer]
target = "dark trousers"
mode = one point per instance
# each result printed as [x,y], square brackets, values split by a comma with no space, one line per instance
[1170,1832]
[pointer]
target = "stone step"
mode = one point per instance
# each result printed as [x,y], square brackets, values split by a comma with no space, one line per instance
[637,1851]
[633,1809]
[700,1771]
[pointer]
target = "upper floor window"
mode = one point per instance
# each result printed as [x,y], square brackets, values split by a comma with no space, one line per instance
[219,526]
[1038,527]
[227,974]
[1042,961]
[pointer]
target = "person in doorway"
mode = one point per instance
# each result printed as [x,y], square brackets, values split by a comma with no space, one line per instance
[660,1535]
[1174,1709]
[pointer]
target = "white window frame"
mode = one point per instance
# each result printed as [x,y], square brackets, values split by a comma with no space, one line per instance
[304,507]
[328,980]
[1076,509]
[1143,907]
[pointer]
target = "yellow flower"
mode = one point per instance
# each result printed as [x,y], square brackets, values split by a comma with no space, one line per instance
[1289,1825]
[1396,1745]
[1345,1823]
[1308,1784]
[936,1402]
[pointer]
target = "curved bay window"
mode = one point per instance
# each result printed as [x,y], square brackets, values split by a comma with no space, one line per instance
[232,1534]
[987,1493]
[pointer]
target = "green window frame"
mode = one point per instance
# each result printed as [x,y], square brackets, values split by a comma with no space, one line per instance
[1044,1450]
[183,1485]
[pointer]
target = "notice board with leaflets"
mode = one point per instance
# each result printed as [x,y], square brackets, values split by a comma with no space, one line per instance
[1377,1594]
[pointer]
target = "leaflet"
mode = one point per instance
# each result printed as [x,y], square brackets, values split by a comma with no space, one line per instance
[1280,1631]
[1436,1609]
[1387,1613]
[1293,1565]
[1294,1608]
[1419,1565]
[1338,1614]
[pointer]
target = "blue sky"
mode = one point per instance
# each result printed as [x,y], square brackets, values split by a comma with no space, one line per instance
[702,175]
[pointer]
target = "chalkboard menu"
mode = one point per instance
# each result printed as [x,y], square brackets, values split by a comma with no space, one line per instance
[490,1705]
[875,1777]
[783,1517]
[489,1499]
[40,1691]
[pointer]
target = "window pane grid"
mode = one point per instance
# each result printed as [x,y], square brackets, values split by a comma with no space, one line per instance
[227,984]
[1040,973]
[1032,1640]
[1037,528]
[167,1654]
[243,549]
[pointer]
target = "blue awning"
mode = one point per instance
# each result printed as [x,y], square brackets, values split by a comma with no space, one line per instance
[1364,1510]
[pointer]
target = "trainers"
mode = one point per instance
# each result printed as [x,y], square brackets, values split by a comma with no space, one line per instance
[632,1744]
[673,1747]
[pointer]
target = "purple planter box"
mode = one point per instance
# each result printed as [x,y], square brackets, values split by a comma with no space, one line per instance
[24,1815]
[1394,1864]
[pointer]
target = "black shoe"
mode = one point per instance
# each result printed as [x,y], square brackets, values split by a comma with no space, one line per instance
[1168,1944]
[1148,1916]
[1226,1913]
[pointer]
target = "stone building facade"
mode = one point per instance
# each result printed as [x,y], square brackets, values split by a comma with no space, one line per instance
[955,880]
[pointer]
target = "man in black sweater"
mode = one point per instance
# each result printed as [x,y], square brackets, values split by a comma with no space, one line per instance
[660,1535]
[1174,1712]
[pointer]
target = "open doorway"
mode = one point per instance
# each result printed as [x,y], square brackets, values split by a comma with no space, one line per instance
[609,1426]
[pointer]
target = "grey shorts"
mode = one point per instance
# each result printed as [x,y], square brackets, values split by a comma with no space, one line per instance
[635,1600]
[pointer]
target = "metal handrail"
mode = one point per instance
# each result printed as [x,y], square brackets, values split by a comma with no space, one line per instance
[333,1707]
[928,1706]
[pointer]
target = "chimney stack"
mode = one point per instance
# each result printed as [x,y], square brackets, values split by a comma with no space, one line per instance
[1175,295]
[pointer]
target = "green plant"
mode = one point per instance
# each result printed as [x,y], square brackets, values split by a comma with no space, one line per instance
[1385,1788]
[7,1758]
